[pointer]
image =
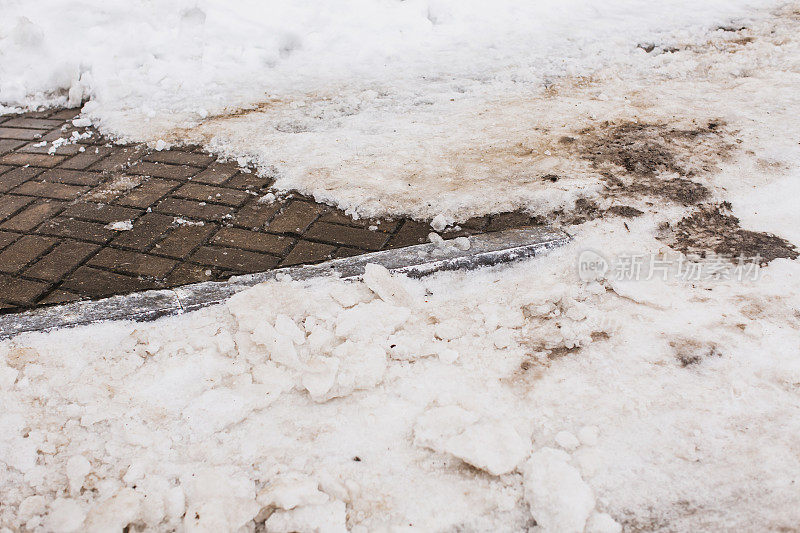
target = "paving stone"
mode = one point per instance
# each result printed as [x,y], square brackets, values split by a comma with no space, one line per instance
[26,250]
[57,191]
[33,215]
[61,260]
[12,178]
[176,157]
[76,229]
[161,170]
[254,215]
[97,283]
[9,205]
[306,252]
[119,159]
[508,220]
[347,236]
[209,193]
[295,217]
[59,296]
[192,209]
[83,160]
[21,134]
[183,240]
[251,240]
[410,233]
[34,160]
[103,213]
[234,259]
[132,263]
[7,238]
[146,231]
[35,123]
[18,291]
[216,173]
[72,177]
[148,193]
[9,145]
[54,210]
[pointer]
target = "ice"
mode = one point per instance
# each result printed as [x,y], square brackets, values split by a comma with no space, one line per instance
[491,445]
[558,497]
[120,225]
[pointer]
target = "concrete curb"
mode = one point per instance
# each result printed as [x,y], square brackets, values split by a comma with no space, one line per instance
[415,261]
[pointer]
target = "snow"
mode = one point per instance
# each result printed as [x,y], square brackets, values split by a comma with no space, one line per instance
[379,107]
[542,391]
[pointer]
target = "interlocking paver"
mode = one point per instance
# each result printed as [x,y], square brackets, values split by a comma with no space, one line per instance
[192,217]
[24,251]
[183,240]
[34,214]
[132,263]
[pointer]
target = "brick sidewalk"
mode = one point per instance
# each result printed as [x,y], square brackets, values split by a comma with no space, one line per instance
[64,207]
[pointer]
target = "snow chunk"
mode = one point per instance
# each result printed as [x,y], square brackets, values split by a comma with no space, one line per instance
[389,288]
[490,445]
[602,523]
[559,499]
[65,516]
[77,470]
[440,222]
[567,440]
[113,514]
[120,225]
[325,518]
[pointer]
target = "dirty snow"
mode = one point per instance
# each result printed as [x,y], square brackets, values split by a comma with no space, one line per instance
[387,107]
[533,394]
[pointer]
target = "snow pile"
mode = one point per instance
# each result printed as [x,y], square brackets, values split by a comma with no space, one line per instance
[481,400]
[378,106]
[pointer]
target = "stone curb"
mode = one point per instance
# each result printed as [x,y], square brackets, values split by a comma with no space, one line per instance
[415,261]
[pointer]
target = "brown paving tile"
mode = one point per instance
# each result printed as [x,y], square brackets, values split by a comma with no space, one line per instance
[411,232]
[35,123]
[83,160]
[9,205]
[35,160]
[21,134]
[308,252]
[192,209]
[77,229]
[59,297]
[96,283]
[16,176]
[33,215]
[26,250]
[295,217]
[103,213]
[216,173]
[57,191]
[20,291]
[233,259]
[161,170]
[210,193]
[146,231]
[148,193]
[54,211]
[183,240]
[8,145]
[72,177]
[254,215]
[61,260]
[347,236]
[119,159]
[176,157]
[7,238]
[132,263]
[251,240]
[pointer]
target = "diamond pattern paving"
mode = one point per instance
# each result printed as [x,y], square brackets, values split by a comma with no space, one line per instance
[83,218]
